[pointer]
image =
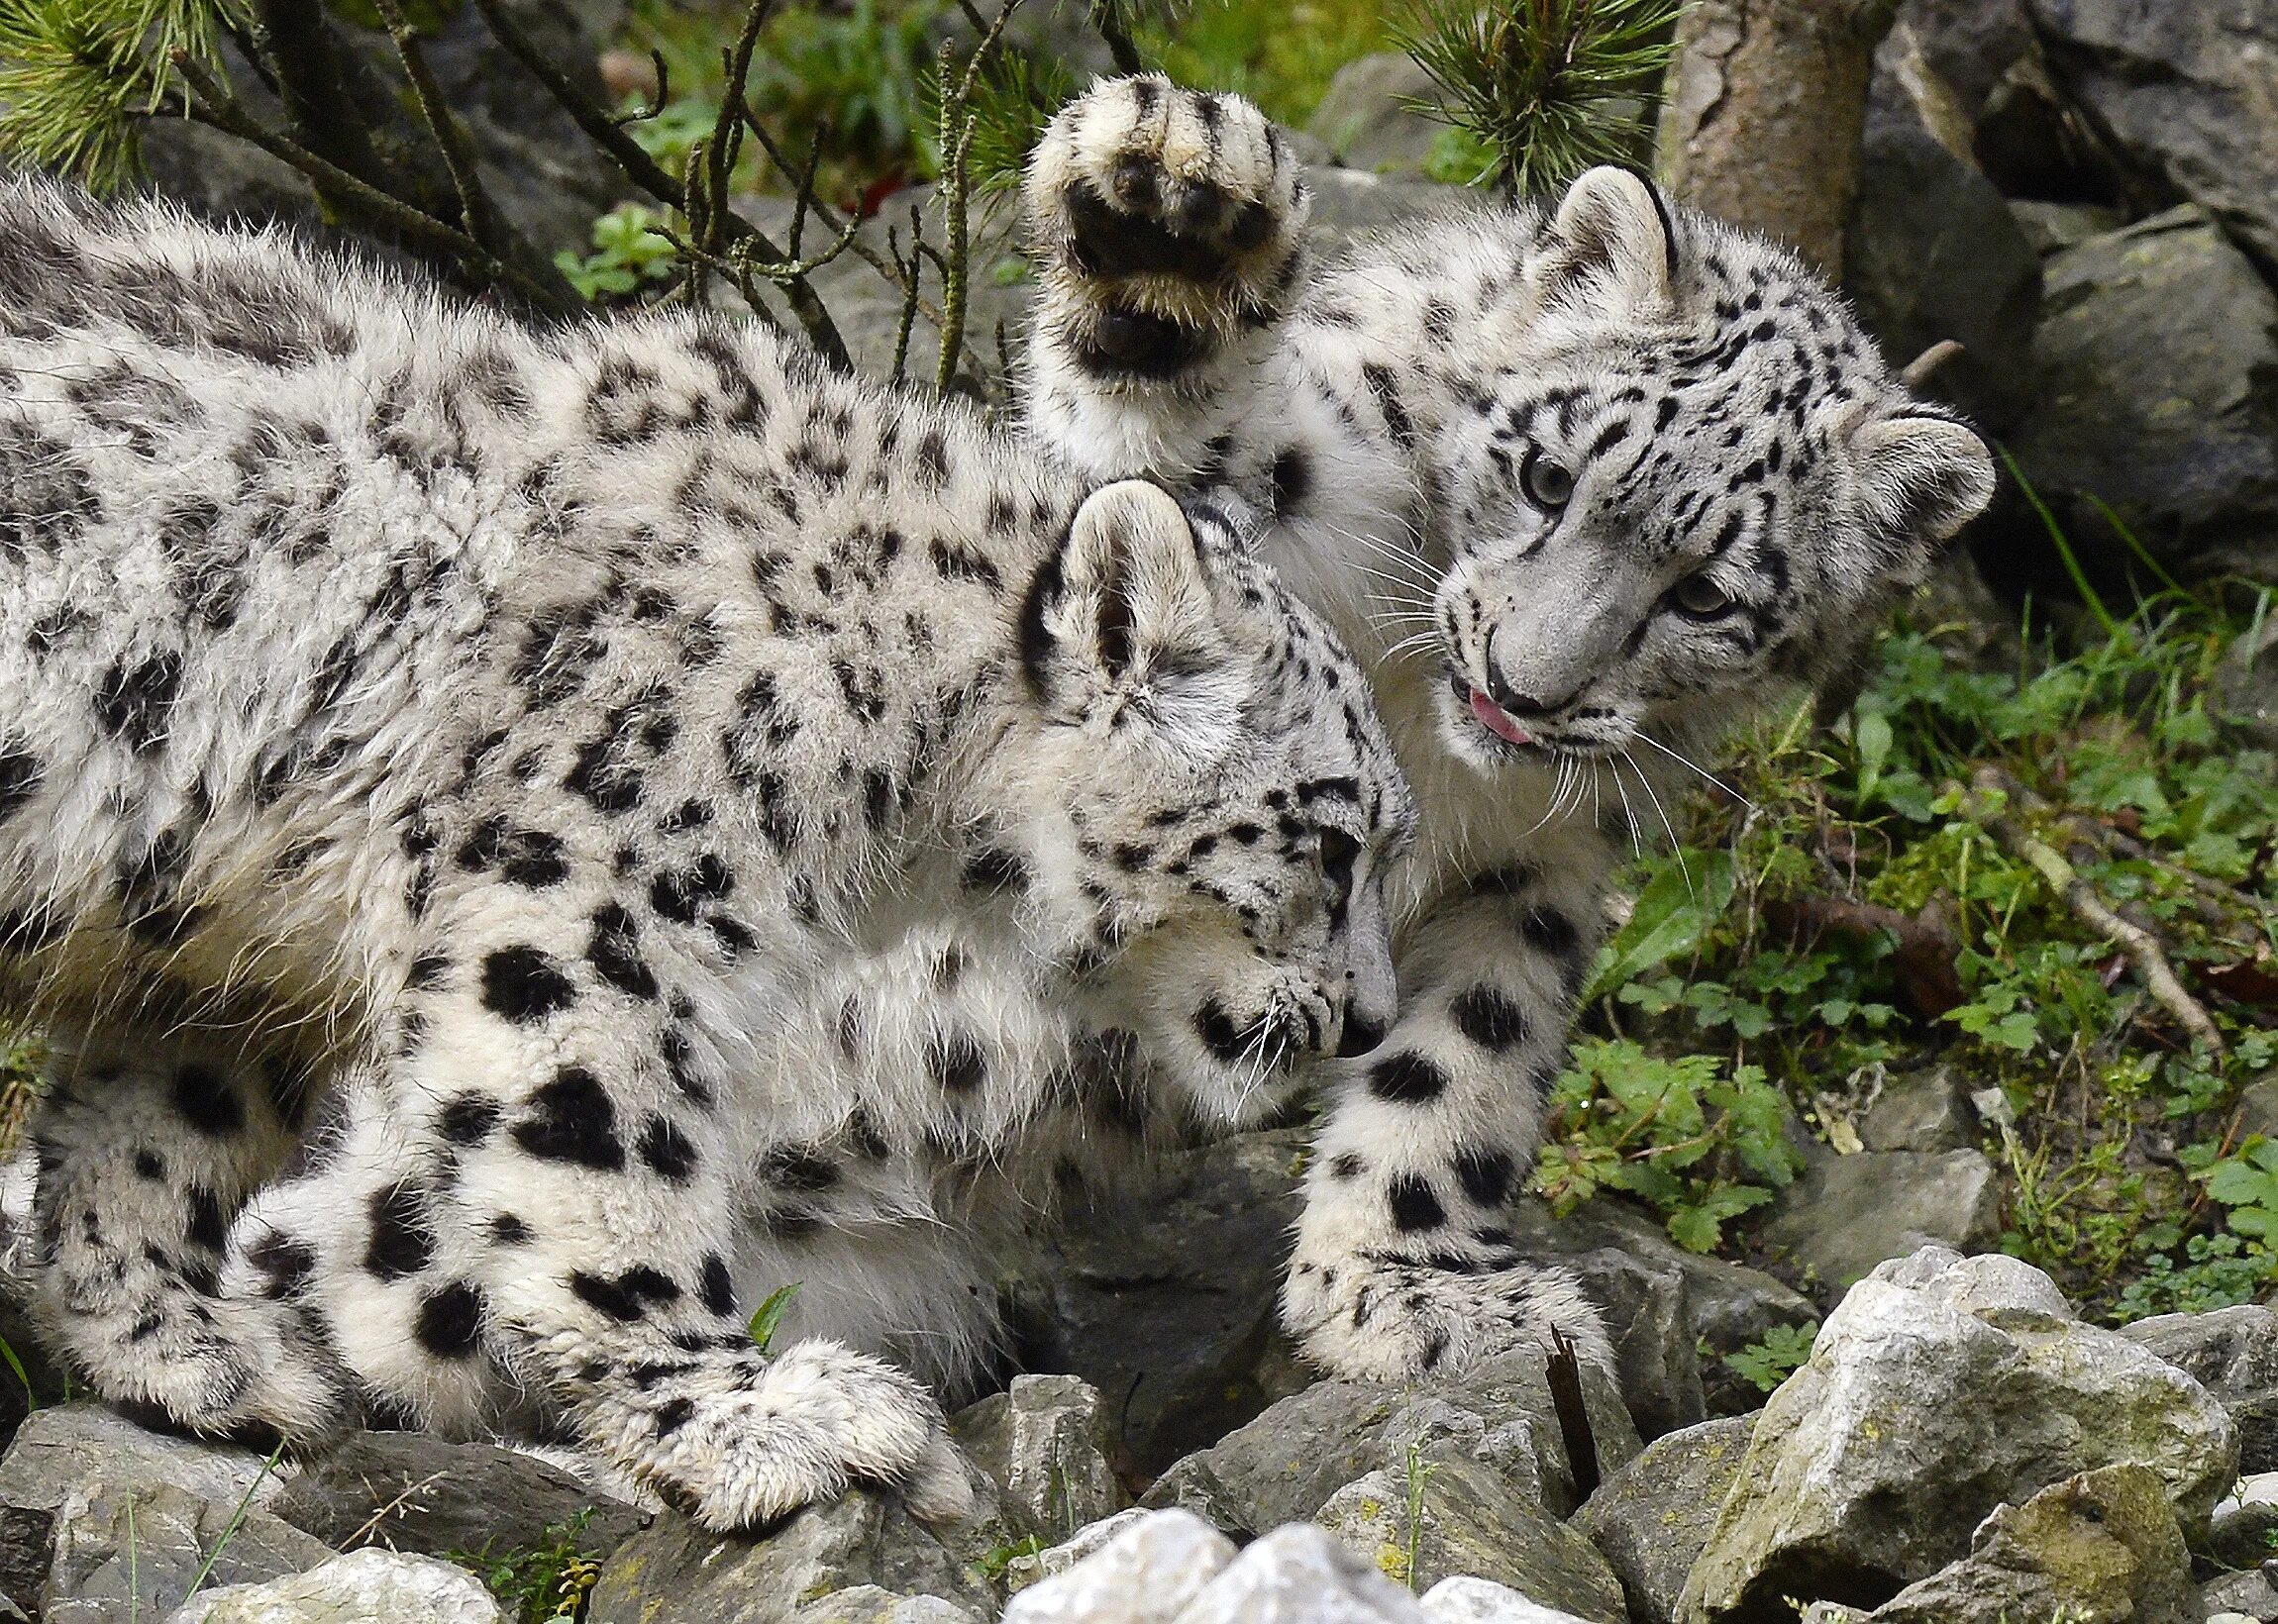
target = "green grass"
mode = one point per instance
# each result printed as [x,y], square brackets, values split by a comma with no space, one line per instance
[1713,1036]
[549,1581]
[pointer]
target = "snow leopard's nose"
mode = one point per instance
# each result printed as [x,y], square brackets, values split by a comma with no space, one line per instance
[1513,693]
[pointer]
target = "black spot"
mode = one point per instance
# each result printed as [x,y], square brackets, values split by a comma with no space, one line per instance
[1219,1035]
[572,1119]
[796,1168]
[1414,1206]
[614,953]
[467,1119]
[285,1264]
[207,1101]
[1347,1167]
[956,1063]
[450,1321]
[716,1286]
[21,775]
[524,986]
[208,1226]
[1407,1079]
[625,1298]
[426,971]
[1293,479]
[993,868]
[1550,931]
[1490,1017]
[401,1242]
[149,1164]
[673,1415]
[135,702]
[508,1230]
[1484,1174]
[668,1150]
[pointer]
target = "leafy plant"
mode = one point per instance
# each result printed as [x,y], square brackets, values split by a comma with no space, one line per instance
[545,1581]
[1782,1352]
[769,1314]
[630,251]
[1544,88]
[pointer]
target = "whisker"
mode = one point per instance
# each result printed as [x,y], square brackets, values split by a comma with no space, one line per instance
[1689,762]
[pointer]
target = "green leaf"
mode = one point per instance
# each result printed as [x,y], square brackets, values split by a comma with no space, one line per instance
[770,1314]
[1687,893]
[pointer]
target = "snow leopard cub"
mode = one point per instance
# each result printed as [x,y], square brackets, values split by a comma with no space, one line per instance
[1583,485]
[445,768]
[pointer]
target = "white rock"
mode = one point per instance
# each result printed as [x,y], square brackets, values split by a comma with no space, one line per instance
[1464,1600]
[369,1587]
[1022,1571]
[868,1604]
[1145,1575]
[1301,1574]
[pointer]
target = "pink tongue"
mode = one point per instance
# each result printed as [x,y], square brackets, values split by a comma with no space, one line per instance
[1492,717]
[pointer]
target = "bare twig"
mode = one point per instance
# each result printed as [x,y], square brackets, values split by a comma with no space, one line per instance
[1917,372]
[1563,1367]
[2141,948]
[909,291]
[1107,21]
[958,124]
[2097,832]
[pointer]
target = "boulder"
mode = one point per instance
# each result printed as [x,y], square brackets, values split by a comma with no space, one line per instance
[1925,1110]
[2049,227]
[364,1587]
[1146,1575]
[411,1491]
[1297,1572]
[868,1604]
[1468,1600]
[1033,1568]
[2248,1595]
[59,1453]
[1931,250]
[2156,369]
[1368,118]
[1848,1213]
[2233,1354]
[1942,1387]
[2245,1521]
[1456,1518]
[1651,1518]
[1044,1443]
[676,1572]
[2186,96]
[1969,44]
[1284,1465]
[2103,1545]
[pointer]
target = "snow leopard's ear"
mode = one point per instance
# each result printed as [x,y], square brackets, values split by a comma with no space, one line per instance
[1924,474]
[1612,247]
[1127,588]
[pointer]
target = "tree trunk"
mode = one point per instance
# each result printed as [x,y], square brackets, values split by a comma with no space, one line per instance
[1761,122]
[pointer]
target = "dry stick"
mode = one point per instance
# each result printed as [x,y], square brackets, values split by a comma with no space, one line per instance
[2141,948]
[2099,833]
[475,213]
[1108,19]
[1917,371]
[957,110]
[645,173]
[216,108]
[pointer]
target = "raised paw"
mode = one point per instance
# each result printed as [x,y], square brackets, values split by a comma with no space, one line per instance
[1168,221]
[803,1427]
[1384,1317]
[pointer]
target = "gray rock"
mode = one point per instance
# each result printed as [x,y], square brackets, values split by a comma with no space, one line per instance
[868,1604]
[1931,250]
[2249,1594]
[1460,1519]
[2187,97]
[1924,1110]
[1299,1573]
[1164,1297]
[677,1573]
[1045,1445]
[2156,366]
[1468,1600]
[135,1546]
[1970,44]
[411,1491]
[2244,1521]
[1651,1519]
[2233,1354]
[1366,118]
[1942,1387]
[1281,1465]
[1146,1575]
[59,1453]
[1849,1213]
[362,1588]
[1023,1570]
[2049,227]
[2103,1545]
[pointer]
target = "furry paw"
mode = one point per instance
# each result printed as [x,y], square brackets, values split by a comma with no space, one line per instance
[1168,221]
[809,1424]
[1382,1317]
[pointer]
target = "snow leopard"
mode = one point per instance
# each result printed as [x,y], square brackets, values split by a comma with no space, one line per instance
[1583,484]
[487,812]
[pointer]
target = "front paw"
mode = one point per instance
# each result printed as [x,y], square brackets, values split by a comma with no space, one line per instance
[1172,217]
[813,1422]
[1383,1316]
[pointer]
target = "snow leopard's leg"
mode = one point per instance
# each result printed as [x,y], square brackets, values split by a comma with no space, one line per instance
[538,1183]
[1403,1264]
[1169,227]
[148,1144]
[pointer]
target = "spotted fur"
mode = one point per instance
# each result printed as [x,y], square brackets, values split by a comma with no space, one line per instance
[1584,485]
[485,814]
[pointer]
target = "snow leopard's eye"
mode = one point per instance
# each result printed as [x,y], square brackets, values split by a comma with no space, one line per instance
[1548,485]
[1700,597]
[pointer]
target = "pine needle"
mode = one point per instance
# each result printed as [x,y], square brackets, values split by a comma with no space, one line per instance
[77,76]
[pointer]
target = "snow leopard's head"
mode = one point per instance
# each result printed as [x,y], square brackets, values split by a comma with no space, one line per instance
[1215,801]
[1685,481]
